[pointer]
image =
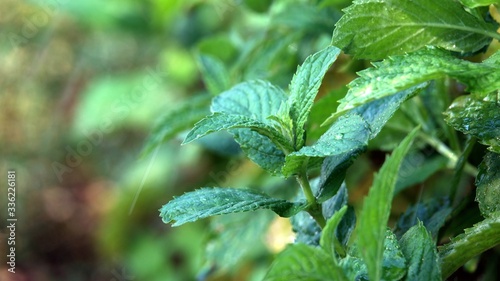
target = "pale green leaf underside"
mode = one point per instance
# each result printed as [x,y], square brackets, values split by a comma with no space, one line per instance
[420,251]
[305,85]
[350,132]
[488,185]
[208,202]
[375,29]
[477,117]
[300,262]
[475,240]
[178,120]
[221,121]
[376,209]
[402,72]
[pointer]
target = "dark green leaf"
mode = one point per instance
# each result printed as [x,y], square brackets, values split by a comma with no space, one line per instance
[488,185]
[477,117]
[483,236]
[375,29]
[432,214]
[299,262]
[214,74]
[333,173]
[304,88]
[376,209]
[208,202]
[306,228]
[402,72]
[348,133]
[178,120]
[420,251]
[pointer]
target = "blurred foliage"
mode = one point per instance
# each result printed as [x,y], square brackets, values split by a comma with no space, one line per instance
[82,85]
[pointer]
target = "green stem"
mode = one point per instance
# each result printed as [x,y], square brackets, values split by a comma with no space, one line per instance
[476,240]
[314,208]
[459,168]
[447,152]
[450,132]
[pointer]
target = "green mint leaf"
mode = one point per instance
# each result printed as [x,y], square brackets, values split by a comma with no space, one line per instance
[478,3]
[260,149]
[420,251]
[348,222]
[354,268]
[208,202]
[185,116]
[258,100]
[333,172]
[376,209]
[328,240]
[378,111]
[477,117]
[301,262]
[481,237]
[488,185]
[432,214]
[304,88]
[375,29]
[393,264]
[214,74]
[306,229]
[350,132]
[221,121]
[402,72]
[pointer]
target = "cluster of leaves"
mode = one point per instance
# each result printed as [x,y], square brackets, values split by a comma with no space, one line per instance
[421,43]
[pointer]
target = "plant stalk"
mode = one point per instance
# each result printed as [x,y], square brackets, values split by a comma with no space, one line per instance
[314,208]
[459,168]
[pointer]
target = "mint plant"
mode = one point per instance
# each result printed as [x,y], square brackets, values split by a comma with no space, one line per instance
[420,48]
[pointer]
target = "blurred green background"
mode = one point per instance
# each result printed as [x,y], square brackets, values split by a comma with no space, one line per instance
[82,85]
